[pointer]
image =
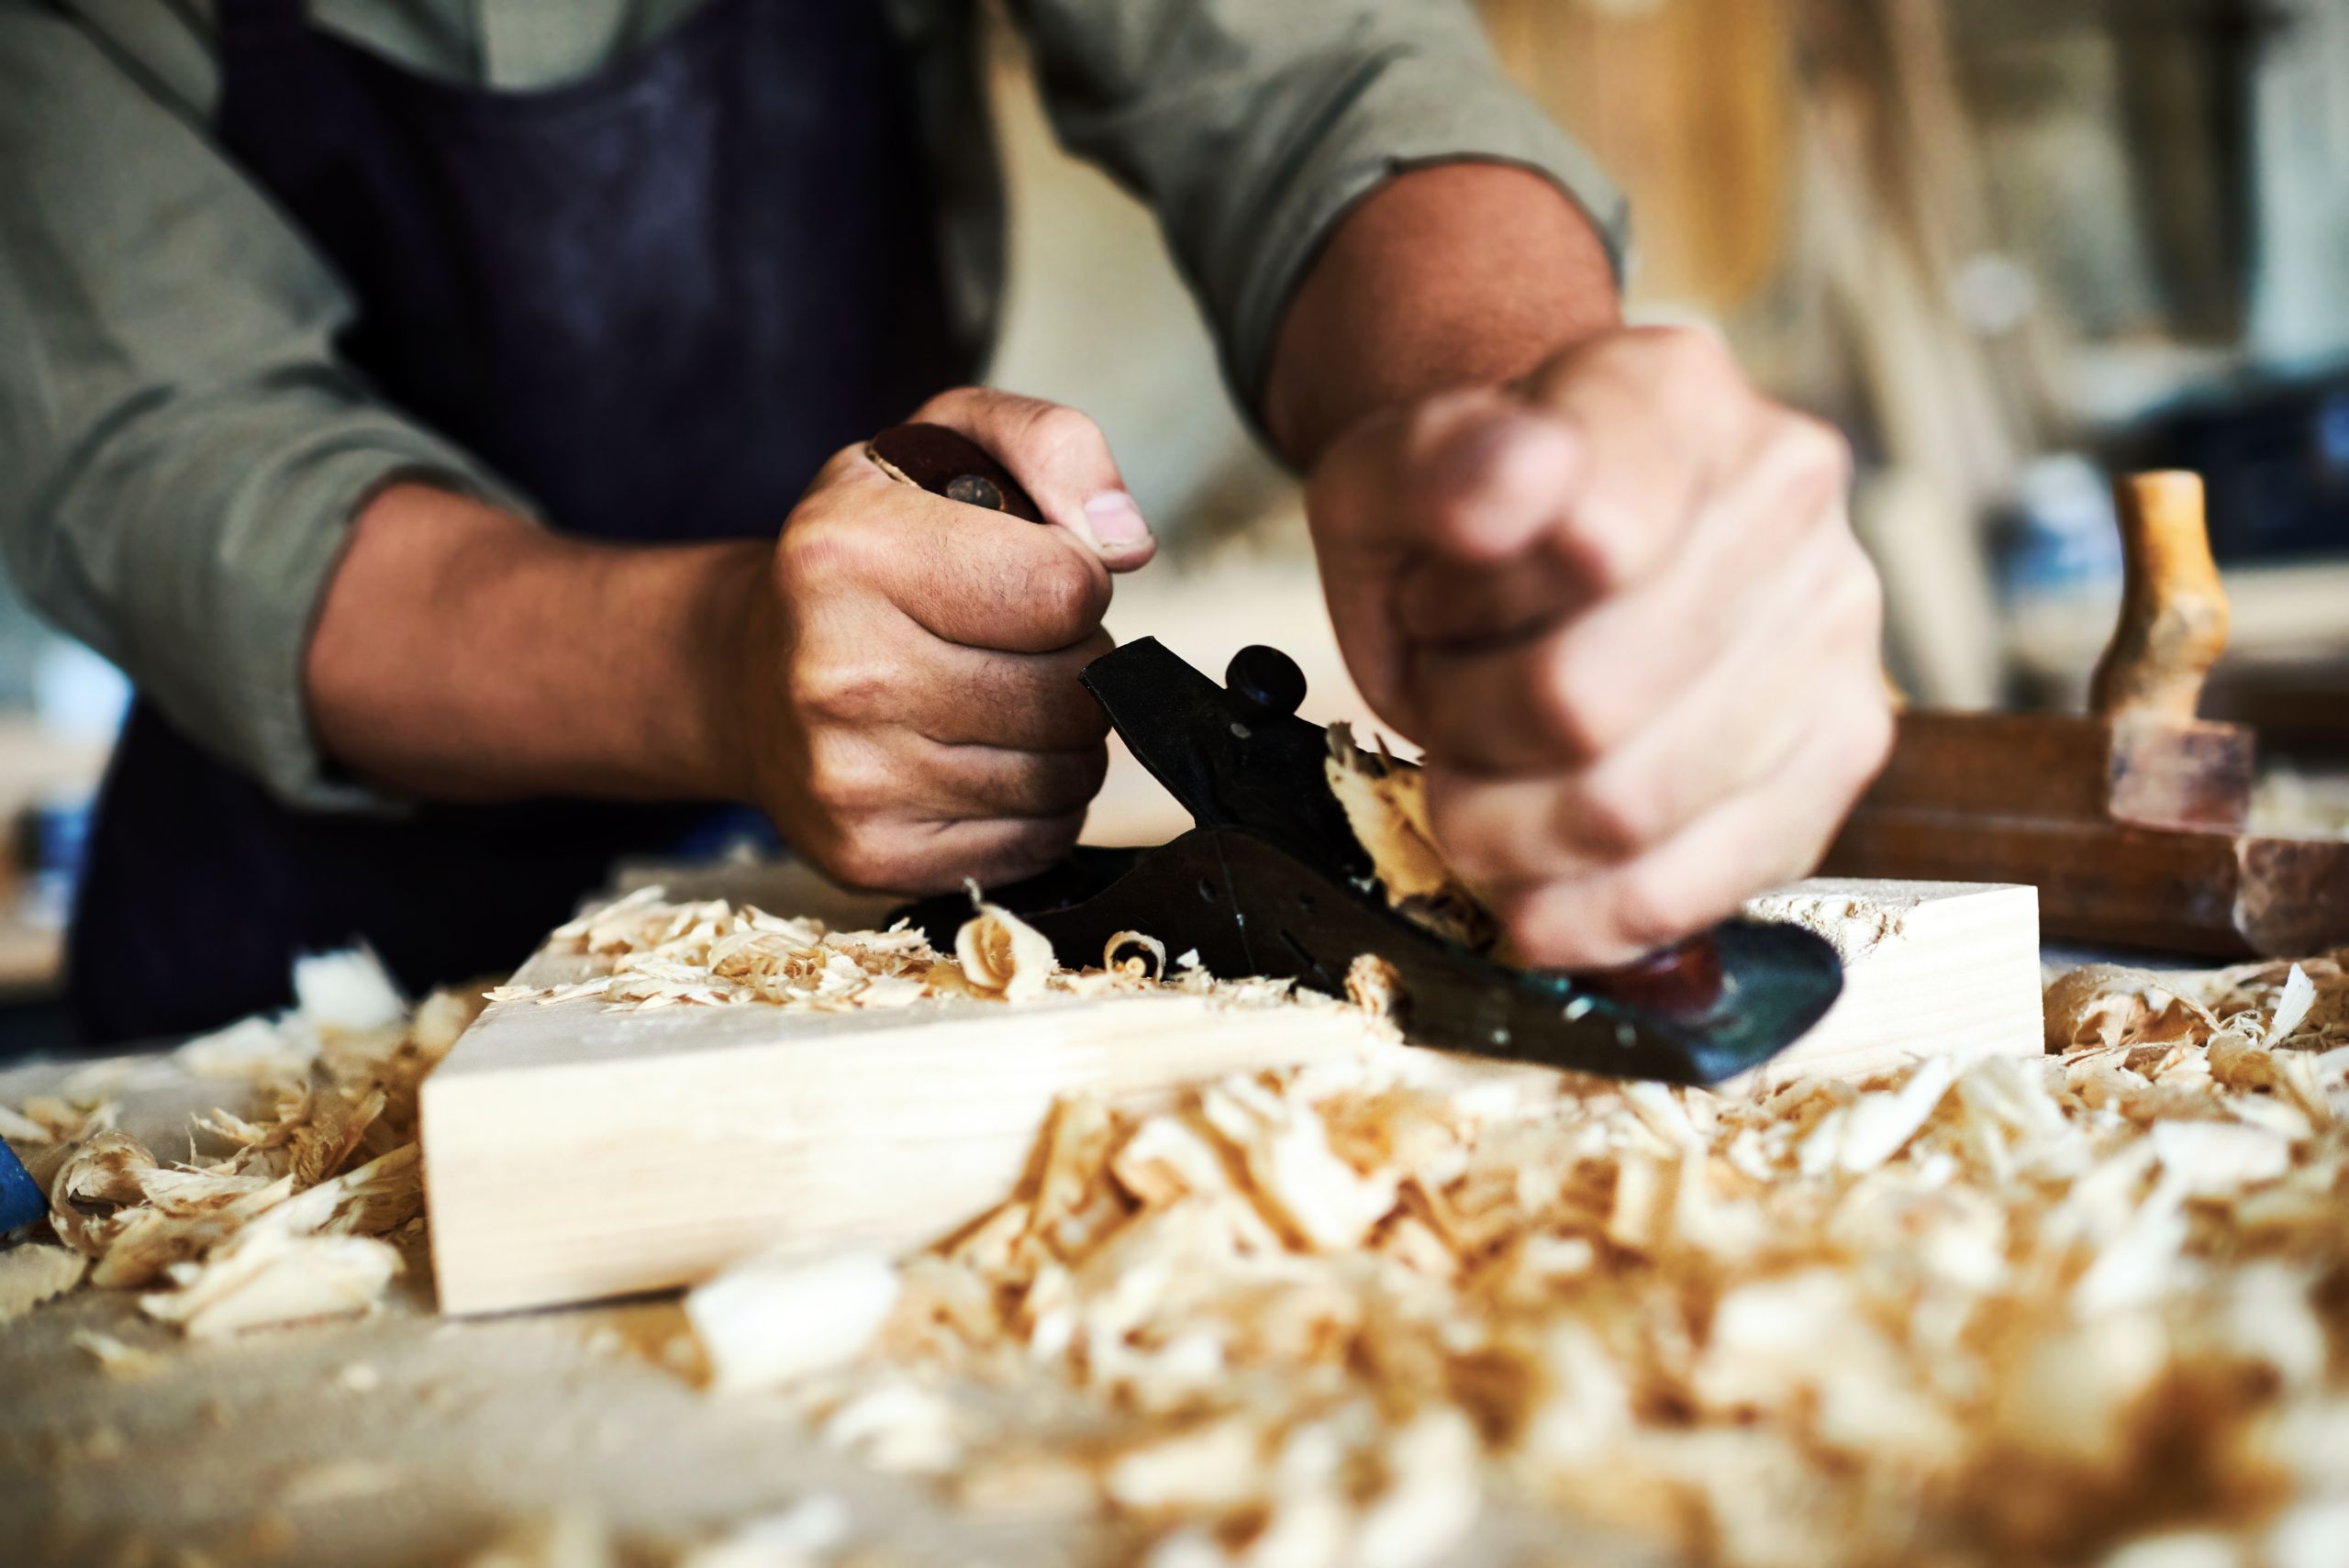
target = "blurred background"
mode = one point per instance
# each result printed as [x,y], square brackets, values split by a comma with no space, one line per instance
[2008,246]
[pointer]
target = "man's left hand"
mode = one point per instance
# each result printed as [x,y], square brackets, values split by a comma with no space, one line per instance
[1621,604]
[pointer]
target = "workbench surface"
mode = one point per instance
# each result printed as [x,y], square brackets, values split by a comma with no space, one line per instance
[1972,1310]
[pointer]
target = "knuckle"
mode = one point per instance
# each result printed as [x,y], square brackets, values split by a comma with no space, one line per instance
[1598,547]
[1607,816]
[1063,598]
[1571,711]
[1054,431]
[1648,910]
[1042,843]
[1082,721]
[1456,817]
[841,690]
[1692,350]
[861,858]
[944,407]
[820,548]
[1868,746]
[842,786]
[1822,451]
[1855,598]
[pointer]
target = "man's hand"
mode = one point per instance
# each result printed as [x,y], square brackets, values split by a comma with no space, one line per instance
[893,679]
[1621,604]
[909,705]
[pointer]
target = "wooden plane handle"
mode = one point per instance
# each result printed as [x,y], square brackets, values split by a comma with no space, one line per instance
[2173,609]
[947,462]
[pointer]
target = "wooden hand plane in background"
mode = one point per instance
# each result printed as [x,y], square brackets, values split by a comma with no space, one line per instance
[2132,818]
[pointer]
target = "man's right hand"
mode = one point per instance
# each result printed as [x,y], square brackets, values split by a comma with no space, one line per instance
[893,680]
[910,713]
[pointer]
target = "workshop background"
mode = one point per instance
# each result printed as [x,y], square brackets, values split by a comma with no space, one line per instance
[2008,246]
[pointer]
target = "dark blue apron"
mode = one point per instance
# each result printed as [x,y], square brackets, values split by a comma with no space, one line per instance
[655,299]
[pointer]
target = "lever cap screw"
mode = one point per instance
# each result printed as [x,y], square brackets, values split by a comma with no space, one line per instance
[1264,681]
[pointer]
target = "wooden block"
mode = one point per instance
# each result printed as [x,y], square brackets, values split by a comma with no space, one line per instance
[572,1153]
[1930,968]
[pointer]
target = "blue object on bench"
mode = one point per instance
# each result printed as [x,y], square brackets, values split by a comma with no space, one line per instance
[21,1202]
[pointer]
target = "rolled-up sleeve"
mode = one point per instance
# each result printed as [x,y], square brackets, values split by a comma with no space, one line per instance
[1252,125]
[181,452]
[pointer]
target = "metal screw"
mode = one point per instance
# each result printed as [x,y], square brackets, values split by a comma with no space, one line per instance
[974,490]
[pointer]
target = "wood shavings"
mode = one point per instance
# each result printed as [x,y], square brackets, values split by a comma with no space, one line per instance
[96,1183]
[268,1274]
[1373,985]
[2292,1006]
[571,1539]
[338,1481]
[659,954]
[283,1226]
[1385,799]
[1124,940]
[263,1051]
[349,991]
[35,1272]
[1004,956]
[802,1536]
[1973,1312]
[768,1321]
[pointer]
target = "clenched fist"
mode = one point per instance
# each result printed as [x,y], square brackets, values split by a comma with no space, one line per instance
[911,714]
[1620,606]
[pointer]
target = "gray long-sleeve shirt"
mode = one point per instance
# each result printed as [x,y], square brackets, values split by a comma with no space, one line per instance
[182,450]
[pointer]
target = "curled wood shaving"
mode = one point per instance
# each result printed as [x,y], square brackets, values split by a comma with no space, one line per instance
[1385,803]
[769,1320]
[1132,962]
[269,1274]
[34,1273]
[1004,956]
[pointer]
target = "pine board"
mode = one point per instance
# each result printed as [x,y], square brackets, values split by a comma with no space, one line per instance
[1930,968]
[573,1153]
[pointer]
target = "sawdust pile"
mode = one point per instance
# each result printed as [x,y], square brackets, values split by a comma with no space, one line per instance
[650,952]
[278,1215]
[2085,1309]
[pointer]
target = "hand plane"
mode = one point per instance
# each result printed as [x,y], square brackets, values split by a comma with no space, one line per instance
[1271,880]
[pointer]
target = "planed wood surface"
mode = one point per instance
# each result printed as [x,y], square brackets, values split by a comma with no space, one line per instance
[573,1153]
[1930,968]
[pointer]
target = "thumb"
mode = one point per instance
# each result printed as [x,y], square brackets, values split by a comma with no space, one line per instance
[1062,459]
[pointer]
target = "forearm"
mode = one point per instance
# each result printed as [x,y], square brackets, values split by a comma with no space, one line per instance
[465,653]
[1446,276]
